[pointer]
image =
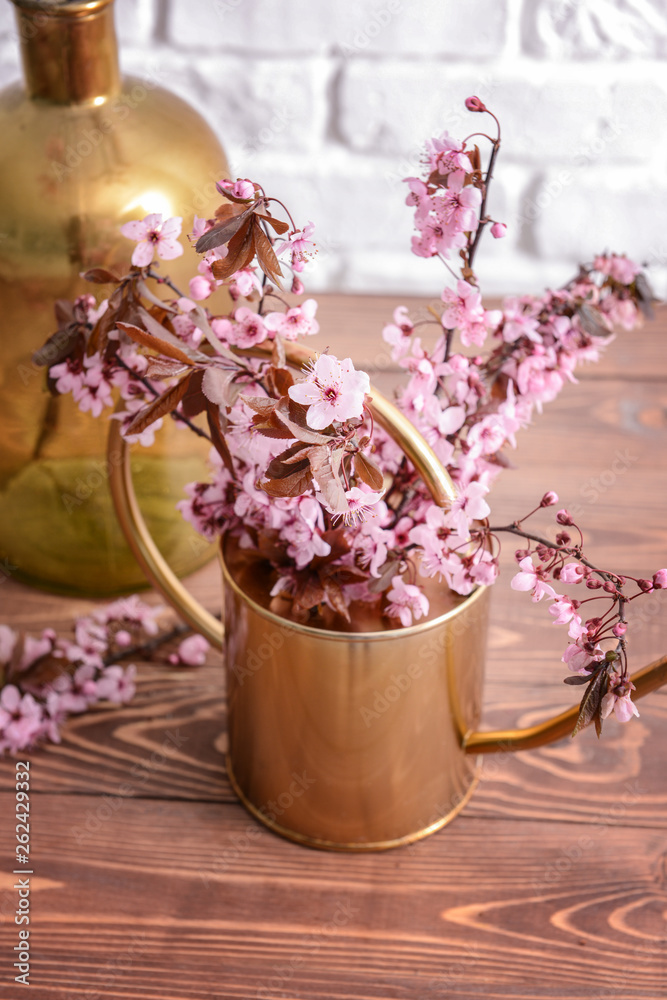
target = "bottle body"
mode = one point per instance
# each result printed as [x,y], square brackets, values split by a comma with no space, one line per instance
[70,175]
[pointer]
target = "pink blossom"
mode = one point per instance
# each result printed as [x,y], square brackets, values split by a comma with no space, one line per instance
[579,657]
[474,104]
[572,573]
[296,322]
[117,685]
[243,283]
[191,651]
[447,154]
[463,311]
[300,246]
[20,718]
[498,230]
[618,700]
[618,267]
[359,503]
[332,390]
[660,579]
[468,506]
[301,529]
[485,568]
[243,189]
[152,234]
[530,578]
[519,321]
[250,328]
[8,639]
[563,611]
[200,287]
[406,602]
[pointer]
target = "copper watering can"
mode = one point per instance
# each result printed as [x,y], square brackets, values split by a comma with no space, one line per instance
[353,741]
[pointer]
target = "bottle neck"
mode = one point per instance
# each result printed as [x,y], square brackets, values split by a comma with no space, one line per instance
[68,49]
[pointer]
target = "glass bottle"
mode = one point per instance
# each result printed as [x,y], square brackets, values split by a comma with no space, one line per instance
[83,151]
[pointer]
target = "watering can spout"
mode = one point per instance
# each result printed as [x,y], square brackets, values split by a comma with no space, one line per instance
[509,740]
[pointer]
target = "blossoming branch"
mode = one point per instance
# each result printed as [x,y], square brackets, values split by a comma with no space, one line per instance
[301,478]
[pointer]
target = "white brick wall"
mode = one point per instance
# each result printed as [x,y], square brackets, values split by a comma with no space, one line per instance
[327,105]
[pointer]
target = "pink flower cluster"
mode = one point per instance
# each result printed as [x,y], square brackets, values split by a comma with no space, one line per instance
[48,678]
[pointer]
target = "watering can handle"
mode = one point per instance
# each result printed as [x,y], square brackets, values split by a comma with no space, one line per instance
[437,481]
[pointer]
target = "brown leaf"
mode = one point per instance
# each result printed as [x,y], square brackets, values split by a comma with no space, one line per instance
[59,346]
[277,224]
[194,400]
[288,462]
[645,295]
[159,407]
[223,231]
[44,670]
[291,486]
[217,435]
[309,591]
[64,311]
[215,385]
[155,343]
[325,467]
[279,380]
[590,703]
[260,404]
[101,276]
[334,595]
[366,469]
[272,427]
[278,357]
[591,322]
[266,257]
[241,253]
[387,572]
[164,368]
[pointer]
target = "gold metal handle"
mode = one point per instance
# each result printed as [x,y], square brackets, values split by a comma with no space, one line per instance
[437,481]
[649,679]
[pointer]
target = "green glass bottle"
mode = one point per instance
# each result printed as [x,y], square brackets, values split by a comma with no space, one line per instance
[83,151]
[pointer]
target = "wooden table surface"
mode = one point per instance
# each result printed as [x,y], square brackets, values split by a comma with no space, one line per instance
[551,883]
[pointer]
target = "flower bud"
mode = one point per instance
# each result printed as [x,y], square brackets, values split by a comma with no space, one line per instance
[645,585]
[297,286]
[549,499]
[593,584]
[564,517]
[498,230]
[619,629]
[611,655]
[521,554]
[609,587]
[660,579]
[474,104]
[562,538]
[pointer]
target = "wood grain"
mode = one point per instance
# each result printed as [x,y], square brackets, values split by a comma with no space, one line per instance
[152,882]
